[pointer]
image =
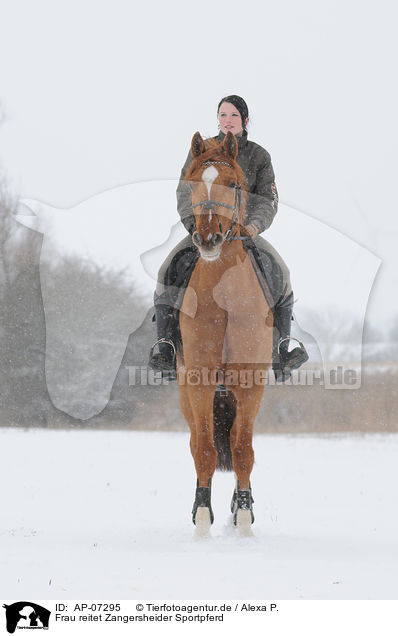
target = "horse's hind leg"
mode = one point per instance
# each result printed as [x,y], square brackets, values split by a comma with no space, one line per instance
[202,513]
[242,510]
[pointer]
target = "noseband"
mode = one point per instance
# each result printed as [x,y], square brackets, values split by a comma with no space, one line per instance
[208,205]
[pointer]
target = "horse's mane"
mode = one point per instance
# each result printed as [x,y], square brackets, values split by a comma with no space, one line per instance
[214,150]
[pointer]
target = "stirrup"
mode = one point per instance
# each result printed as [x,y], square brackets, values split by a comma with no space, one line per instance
[283,369]
[296,357]
[159,362]
[291,338]
[164,341]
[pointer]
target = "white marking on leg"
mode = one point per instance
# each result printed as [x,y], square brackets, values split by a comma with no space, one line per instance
[202,522]
[244,523]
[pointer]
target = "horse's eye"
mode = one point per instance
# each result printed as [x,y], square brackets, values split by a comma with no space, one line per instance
[232,185]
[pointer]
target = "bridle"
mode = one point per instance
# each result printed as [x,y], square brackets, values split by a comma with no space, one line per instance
[208,205]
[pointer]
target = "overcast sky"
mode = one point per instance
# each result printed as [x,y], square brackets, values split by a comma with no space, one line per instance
[100,94]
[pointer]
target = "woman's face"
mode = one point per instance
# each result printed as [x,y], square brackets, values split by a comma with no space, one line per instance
[230,119]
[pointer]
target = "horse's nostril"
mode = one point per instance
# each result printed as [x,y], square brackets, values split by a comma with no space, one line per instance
[217,239]
[197,239]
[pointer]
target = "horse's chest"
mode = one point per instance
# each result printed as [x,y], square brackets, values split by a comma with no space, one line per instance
[231,304]
[199,298]
[238,293]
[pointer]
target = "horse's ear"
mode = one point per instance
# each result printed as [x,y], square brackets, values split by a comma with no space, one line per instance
[197,145]
[231,145]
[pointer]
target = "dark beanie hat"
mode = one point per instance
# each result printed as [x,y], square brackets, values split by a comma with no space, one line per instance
[239,104]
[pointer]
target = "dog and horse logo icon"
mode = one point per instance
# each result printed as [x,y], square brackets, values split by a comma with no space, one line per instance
[26,615]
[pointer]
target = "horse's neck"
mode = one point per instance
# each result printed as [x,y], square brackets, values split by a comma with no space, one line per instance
[232,253]
[229,297]
[210,274]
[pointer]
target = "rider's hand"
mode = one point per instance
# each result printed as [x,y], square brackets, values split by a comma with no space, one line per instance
[251,230]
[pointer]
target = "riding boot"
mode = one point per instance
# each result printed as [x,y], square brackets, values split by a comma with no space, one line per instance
[165,360]
[283,360]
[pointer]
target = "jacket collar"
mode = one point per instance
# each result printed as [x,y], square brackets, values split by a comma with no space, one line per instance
[242,139]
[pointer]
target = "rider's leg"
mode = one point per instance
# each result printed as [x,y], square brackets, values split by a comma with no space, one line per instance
[283,360]
[280,295]
[166,327]
[173,277]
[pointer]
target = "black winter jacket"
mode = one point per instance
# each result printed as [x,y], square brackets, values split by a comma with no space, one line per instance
[262,198]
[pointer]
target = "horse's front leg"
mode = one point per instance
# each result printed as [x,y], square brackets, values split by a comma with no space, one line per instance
[248,402]
[204,454]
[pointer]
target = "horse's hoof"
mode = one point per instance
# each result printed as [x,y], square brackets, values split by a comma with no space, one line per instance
[202,522]
[244,522]
[202,500]
[242,510]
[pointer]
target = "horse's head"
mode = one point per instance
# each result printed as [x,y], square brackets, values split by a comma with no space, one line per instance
[217,199]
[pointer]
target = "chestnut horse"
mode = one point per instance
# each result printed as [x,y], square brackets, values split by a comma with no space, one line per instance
[226,332]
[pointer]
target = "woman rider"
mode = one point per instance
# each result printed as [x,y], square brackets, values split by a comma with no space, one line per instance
[261,207]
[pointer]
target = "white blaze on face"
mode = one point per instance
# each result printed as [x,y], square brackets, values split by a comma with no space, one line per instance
[209,176]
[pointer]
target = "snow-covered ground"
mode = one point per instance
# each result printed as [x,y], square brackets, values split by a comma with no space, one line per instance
[104,515]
